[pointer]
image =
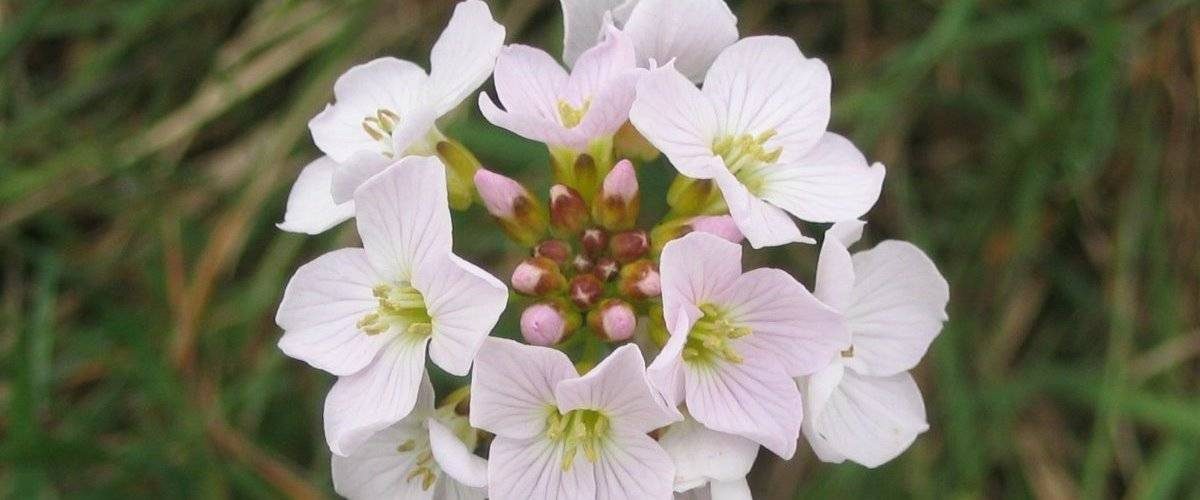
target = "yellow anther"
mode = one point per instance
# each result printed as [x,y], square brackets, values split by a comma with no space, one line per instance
[401,306]
[572,116]
[711,338]
[407,446]
[746,151]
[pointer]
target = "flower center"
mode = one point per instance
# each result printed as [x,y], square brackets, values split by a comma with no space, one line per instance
[401,307]
[572,116]
[745,155]
[424,469]
[582,428]
[712,337]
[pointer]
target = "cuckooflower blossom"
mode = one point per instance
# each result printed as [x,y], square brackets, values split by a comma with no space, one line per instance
[757,129]
[311,208]
[367,314]
[561,435]
[543,103]
[690,32]
[737,339]
[386,109]
[865,406]
[708,464]
[426,456]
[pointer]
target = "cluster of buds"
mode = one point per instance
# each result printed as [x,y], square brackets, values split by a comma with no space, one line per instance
[590,267]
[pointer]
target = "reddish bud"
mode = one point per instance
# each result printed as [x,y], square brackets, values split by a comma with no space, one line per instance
[606,268]
[614,320]
[585,291]
[583,263]
[629,245]
[594,241]
[568,212]
[640,280]
[538,276]
[556,250]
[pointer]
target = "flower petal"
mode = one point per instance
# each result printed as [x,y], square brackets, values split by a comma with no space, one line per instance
[736,489]
[532,468]
[377,469]
[701,454]
[380,395]
[695,269]
[869,420]
[311,208]
[454,458]
[454,490]
[666,371]
[465,302]
[403,216]
[898,307]
[361,167]
[754,399]
[763,224]
[512,386]
[831,183]
[529,82]
[786,319]
[690,32]
[632,466]
[835,272]
[386,83]
[679,120]
[583,21]
[320,311]
[618,387]
[766,84]
[464,55]
[611,58]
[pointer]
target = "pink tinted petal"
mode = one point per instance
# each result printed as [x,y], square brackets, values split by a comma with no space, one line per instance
[632,466]
[320,310]
[532,468]
[701,454]
[599,65]
[529,82]
[869,420]
[530,126]
[835,272]
[311,208]
[403,216]
[766,85]
[898,307]
[786,320]
[348,176]
[679,120]
[666,371]
[609,109]
[754,399]
[449,489]
[464,54]
[690,32]
[513,385]
[380,395]
[386,83]
[831,183]
[717,225]
[763,224]
[583,21]
[694,269]
[454,458]
[619,388]
[464,302]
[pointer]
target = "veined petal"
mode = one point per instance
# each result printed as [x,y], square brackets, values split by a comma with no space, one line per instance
[898,307]
[362,166]
[618,387]
[835,272]
[765,84]
[387,84]
[786,320]
[611,58]
[679,120]
[583,21]
[701,454]
[609,109]
[529,126]
[830,183]
[632,466]
[454,490]
[321,307]
[311,208]
[754,399]
[666,371]
[532,468]
[464,302]
[380,395]
[869,420]
[454,458]
[763,224]
[690,32]
[464,55]
[513,387]
[403,216]
[695,269]
[378,469]
[529,82]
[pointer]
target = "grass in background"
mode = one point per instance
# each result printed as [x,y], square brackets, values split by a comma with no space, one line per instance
[1043,152]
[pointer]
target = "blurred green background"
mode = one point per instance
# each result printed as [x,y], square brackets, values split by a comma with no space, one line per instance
[1043,152]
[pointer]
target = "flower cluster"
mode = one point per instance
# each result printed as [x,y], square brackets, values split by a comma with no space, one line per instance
[739,359]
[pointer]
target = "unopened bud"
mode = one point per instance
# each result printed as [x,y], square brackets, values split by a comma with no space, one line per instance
[629,245]
[717,225]
[543,324]
[513,207]
[568,212]
[461,166]
[556,250]
[585,291]
[606,268]
[640,280]
[583,263]
[614,320]
[594,241]
[690,196]
[587,176]
[538,276]
[619,202]
[629,143]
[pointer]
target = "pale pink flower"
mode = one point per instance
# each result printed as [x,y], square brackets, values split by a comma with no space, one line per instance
[311,208]
[708,464]
[561,435]
[367,314]
[865,406]
[737,339]
[757,129]
[545,104]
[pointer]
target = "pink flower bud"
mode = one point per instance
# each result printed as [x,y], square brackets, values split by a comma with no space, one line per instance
[614,320]
[629,245]
[500,194]
[619,202]
[542,324]
[556,250]
[640,280]
[621,181]
[568,212]
[537,276]
[717,225]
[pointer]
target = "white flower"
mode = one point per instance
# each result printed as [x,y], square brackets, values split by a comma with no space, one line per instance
[864,406]
[708,463]
[561,435]
[367,314]
[427,456]
[387,108]
[757,129]
[310,206]
[689,32]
